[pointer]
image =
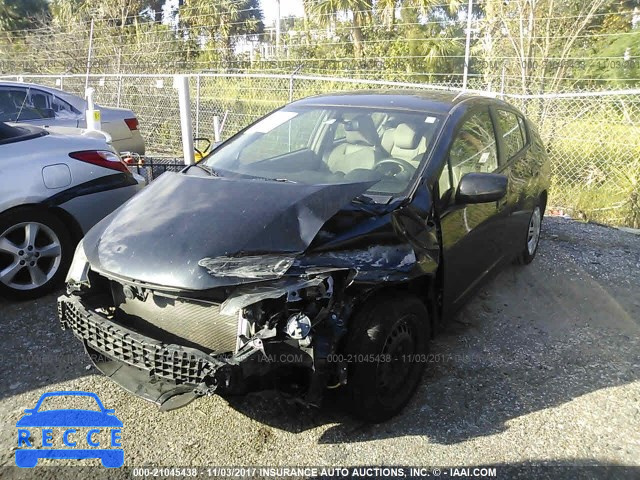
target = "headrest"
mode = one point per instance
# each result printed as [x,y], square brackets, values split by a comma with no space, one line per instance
[406,137]
[361,131]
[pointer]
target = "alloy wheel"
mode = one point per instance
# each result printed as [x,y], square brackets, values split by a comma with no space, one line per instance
[533,235]
[30,255]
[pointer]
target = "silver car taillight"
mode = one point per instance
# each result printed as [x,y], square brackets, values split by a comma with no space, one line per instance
[102,158]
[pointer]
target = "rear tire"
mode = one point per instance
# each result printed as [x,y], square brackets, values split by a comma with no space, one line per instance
[391,327]
[35,253]
[532,237]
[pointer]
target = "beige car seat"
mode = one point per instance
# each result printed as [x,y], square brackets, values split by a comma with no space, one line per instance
[359,148]
[405,143]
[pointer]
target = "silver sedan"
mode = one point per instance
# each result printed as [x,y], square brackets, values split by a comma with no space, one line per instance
[53,189]
[45,106]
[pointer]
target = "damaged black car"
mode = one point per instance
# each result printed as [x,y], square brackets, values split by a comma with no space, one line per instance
[321,247]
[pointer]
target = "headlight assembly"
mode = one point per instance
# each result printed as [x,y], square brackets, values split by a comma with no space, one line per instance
[79,270]
[262,267]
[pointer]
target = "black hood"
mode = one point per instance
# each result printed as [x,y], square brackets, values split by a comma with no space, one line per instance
[161,234]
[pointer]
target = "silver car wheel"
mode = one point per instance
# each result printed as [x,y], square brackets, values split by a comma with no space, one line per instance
[533,235]
[34,253]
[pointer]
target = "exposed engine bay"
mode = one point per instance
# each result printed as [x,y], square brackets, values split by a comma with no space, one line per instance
[170,349]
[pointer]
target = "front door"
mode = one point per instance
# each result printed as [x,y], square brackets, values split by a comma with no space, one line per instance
[472,235]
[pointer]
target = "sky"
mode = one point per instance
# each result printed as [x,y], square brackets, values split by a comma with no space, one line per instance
[287,7]
[269,9]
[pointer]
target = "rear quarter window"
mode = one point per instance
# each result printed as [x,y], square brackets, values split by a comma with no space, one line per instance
[511,131]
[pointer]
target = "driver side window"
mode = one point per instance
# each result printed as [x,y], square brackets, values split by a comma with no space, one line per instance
[474,148]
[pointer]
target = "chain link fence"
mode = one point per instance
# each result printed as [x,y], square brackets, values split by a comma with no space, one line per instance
[593,139]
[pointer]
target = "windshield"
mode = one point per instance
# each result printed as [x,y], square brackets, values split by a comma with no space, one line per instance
[325,145]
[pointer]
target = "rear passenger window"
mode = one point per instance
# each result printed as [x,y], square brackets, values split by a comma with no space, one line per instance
[474,148]
[511,131]
[523,129]
[41,103]
[62,109]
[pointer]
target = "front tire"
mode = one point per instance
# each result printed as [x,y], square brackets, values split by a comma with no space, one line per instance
[35,253]
[386,350]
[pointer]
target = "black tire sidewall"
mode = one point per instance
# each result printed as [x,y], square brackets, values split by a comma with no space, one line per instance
[21,215]
[525,258]
[370,329]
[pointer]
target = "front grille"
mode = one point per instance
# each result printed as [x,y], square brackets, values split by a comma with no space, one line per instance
[177,320]
[171,362]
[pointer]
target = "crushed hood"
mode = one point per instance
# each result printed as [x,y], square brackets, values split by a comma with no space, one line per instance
[161,234]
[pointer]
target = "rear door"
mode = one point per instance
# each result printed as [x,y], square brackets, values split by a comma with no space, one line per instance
[514,150]
[471,233]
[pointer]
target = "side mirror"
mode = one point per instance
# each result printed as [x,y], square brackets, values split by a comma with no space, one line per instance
[481,188]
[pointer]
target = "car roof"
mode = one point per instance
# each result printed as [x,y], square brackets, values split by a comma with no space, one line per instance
[432,101]
[75,100]
[5,83]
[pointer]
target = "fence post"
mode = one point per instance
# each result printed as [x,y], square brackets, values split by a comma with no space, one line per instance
[89,54]
[119,77]
[181,82]
[197,105]
[293,74]
[119,91]
[216,128]
[467,47]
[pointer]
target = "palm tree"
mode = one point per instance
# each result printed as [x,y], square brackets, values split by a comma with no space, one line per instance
[22,14]
[156,6]
[425,7]
[387,10]
[360,11]
[222,20]
[307,7]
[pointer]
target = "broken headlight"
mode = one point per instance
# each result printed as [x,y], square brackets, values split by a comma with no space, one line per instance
[79,270]
[262,267]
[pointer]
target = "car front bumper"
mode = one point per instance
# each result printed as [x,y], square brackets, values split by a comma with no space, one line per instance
[168,375]
[142,365]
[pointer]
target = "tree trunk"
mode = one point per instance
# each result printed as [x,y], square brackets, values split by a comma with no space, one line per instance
[358,37]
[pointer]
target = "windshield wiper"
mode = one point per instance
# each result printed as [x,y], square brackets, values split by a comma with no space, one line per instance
[267,179]
[285,180]
[207,169]
[364,199]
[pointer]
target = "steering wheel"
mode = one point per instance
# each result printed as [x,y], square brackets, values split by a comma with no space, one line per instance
[395,166]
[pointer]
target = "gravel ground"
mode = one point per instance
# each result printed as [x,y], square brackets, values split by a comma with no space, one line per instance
[542,367]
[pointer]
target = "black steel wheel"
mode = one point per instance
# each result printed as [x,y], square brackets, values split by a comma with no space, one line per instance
[386,351]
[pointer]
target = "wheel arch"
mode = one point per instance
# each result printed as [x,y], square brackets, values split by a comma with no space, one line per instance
[425,288]
[543,200]
[72,225]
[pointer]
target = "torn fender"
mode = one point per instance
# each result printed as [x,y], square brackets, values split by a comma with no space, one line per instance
[379,263]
